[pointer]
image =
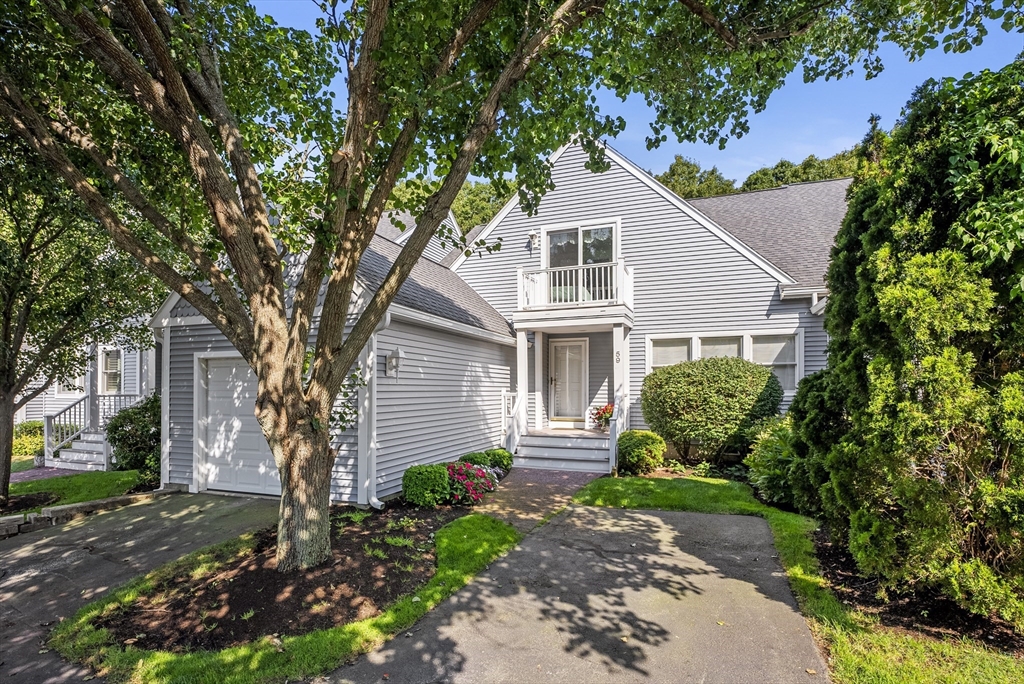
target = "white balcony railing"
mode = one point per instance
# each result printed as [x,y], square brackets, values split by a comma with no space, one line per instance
[608,283]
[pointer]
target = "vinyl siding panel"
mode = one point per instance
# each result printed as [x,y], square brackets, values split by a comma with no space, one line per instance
[686,279]
[186,341]
[445,402]
[47,403]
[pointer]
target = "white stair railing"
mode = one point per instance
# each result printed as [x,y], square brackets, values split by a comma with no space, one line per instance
[62,428]
[513,423]
[616,426]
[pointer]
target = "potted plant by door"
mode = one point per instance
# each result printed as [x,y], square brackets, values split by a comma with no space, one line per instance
[602,416]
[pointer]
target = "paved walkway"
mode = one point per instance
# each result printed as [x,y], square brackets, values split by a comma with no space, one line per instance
[50,574]
[42,474]
[529,495]
[607,595]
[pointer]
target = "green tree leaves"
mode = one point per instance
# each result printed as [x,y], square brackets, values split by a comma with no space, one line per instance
[685,178]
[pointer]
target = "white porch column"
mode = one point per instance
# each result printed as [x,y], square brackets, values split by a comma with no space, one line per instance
[539,385]
[620,361]
[522,372]
[92,382]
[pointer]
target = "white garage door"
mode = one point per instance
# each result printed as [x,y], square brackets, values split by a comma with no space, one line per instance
[238,458]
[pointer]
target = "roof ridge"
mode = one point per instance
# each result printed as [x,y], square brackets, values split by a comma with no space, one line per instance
[784,186]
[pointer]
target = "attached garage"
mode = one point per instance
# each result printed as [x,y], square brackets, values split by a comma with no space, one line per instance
[231,451]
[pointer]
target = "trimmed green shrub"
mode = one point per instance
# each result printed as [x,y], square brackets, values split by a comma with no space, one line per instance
[27,445]
[709,403]
[29,428]
[479,458]
[134,435]
[771,459]
[640,451]
[427,485]
[469,482]
[500,458]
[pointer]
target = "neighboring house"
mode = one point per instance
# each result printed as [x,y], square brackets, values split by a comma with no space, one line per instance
[397,226]
[436,374]
[615,275]
[75,413]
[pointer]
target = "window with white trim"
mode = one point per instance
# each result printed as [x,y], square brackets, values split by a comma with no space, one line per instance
[70,388]
[669,352]
[711,347]
[110,371]
[778,352]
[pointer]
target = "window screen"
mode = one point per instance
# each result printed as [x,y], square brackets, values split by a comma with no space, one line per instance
[778,352]
[669,352]
[720,346]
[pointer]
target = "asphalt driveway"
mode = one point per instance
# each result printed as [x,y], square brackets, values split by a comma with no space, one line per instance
[50,574]
[604,595]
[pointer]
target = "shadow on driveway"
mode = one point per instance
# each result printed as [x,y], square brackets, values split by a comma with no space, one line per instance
[605,595]
[47,575]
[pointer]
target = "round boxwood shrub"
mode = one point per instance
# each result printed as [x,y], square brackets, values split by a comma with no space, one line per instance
[479,458]
[134,436]
[771,459]
[709,403]
[500,458]
[427,485]
[640,451]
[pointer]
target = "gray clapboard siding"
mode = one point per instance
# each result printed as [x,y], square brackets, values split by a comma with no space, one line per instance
[186,341]
[47,403]
[445,402]
[686,278]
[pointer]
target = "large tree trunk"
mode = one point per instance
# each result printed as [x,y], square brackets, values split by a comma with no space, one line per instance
[6,445]
[304,460]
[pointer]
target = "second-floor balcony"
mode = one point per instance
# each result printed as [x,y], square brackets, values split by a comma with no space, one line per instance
[560,292]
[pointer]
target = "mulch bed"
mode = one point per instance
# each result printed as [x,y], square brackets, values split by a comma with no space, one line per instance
[26,502]
[374,561]
[924,613]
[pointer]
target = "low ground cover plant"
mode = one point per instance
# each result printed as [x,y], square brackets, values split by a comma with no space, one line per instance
[709,404]
[640,452]
[469,482]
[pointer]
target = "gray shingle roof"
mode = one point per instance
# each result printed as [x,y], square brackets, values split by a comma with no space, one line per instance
[793,226]
[431,288]
[451,256]
[388,226]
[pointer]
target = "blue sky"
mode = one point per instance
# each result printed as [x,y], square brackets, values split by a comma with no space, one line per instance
[818,118]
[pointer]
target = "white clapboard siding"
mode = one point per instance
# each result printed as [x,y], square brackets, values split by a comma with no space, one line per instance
[186,341]
[445,402]
[686,278]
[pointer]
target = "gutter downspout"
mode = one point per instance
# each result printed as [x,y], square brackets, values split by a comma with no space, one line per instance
[371,390]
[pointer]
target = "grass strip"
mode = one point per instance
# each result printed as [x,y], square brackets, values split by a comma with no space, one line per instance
[464,548]
[70,489]
[861,650]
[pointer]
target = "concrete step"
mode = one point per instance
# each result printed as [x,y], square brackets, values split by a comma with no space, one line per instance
[72,465]
[93,437]
[81,456]
[578,442]
[80,445]
[582,466]
[568,453]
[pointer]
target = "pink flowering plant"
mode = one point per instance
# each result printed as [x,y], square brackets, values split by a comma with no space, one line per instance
[469,482]
[602,415]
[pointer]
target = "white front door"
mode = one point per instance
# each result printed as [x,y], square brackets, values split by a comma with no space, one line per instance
[238,458]
[568,365]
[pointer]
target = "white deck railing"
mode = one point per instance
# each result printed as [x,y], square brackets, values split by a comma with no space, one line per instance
[618,424]
[112,404]
[513,421]
[609,283]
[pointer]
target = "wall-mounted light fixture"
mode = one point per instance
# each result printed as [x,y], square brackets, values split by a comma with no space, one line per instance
[534,242]
[394,362]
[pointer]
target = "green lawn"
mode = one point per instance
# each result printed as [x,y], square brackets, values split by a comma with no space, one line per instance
[464,547]
[22,463]
[77,488]
[862,651]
